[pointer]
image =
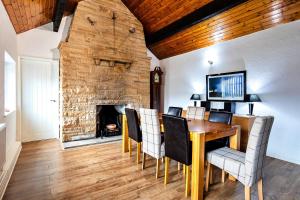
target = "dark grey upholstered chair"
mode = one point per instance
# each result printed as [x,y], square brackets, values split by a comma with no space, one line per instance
[175,111]
[246,167]
[134,131]
[220,117]
[177,145]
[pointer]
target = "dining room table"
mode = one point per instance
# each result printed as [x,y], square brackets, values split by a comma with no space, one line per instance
[201,131]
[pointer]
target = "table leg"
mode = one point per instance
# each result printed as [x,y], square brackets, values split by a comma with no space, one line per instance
[235,144]
[198,166]
[124,134]
[187,181]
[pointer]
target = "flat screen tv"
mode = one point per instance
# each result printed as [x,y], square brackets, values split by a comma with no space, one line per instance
[226,86]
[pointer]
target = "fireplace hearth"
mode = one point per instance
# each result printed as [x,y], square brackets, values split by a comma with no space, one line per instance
[109,120]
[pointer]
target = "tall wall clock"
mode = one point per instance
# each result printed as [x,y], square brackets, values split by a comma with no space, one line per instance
[155,88]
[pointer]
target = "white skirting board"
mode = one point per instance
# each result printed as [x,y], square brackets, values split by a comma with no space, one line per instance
[9,166]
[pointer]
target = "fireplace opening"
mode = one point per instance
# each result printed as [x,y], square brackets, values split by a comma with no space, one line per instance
[109,120]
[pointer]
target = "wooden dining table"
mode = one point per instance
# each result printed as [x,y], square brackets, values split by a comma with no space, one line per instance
[201,131]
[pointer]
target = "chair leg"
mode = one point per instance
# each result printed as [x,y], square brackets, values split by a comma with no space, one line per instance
[183,169]
[138,153]
[187,181]
[207,180]
[247,193]
[157,168]
[178,166]
[129,147]
[223,176]
[144,160]
[260,190]
[211,178]
[167,162]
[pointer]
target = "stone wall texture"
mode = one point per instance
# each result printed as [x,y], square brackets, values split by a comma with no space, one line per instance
[83,84]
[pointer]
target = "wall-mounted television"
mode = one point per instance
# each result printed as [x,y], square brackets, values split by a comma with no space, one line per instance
[226,86]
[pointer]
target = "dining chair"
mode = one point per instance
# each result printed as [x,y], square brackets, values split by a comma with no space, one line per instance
[178,147]
[220,117]
[175,111]
[152,138]
[246,167]
[195,112]
[134,131]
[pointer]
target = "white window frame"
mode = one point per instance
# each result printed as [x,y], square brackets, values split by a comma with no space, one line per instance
[10,84]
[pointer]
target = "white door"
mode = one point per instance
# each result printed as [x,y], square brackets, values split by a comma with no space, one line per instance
[39,99]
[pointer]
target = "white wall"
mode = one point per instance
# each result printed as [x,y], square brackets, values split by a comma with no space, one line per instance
[8,42]
[272,61]
[154,60]
[42,42]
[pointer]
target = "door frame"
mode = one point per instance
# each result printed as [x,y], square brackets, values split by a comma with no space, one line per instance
[19,92]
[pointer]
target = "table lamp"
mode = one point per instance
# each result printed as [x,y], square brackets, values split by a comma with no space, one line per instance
[195,97]
[251,98]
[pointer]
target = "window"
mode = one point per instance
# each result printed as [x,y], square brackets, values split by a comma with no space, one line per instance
[9,84]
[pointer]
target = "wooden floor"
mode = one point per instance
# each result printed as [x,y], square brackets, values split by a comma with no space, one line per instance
[44,171]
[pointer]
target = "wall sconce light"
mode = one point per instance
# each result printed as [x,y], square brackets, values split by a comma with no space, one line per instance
[132,30]
[92,22]
[210,62]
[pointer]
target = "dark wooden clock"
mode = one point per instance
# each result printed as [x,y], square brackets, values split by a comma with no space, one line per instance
[155,88]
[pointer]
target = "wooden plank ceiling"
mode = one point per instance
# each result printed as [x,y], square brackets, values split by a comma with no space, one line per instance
[158,16]
[29,14]
[245,18]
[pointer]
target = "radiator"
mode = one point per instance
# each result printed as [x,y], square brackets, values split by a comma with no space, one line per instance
[2,145]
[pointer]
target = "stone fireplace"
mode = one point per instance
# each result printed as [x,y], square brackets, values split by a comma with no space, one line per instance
[102,62]
[109,120]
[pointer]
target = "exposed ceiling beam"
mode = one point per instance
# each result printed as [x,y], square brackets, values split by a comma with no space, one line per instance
[209,10]
[58,14]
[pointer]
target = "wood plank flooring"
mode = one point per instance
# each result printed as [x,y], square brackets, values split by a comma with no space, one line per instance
[45,171]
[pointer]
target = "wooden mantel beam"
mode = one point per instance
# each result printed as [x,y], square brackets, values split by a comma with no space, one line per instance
[209,10]
[58,14]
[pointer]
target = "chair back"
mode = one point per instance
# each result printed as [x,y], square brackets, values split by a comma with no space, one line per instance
[134,131]
[151,132]
[175,111]
[257,148]
[177,139]
[195,112]
[220,116]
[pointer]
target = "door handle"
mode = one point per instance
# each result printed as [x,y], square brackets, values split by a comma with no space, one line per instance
[53,100]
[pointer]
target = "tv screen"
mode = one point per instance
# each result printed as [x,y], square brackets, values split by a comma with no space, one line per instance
[226,87]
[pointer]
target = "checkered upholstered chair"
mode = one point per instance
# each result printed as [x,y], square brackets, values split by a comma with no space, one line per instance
[152,138]
[195,112]
[246,167]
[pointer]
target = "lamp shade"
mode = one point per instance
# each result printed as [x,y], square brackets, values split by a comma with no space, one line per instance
[252,98]
[196,97]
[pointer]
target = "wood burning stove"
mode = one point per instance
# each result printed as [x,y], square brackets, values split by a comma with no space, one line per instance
[109,120]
